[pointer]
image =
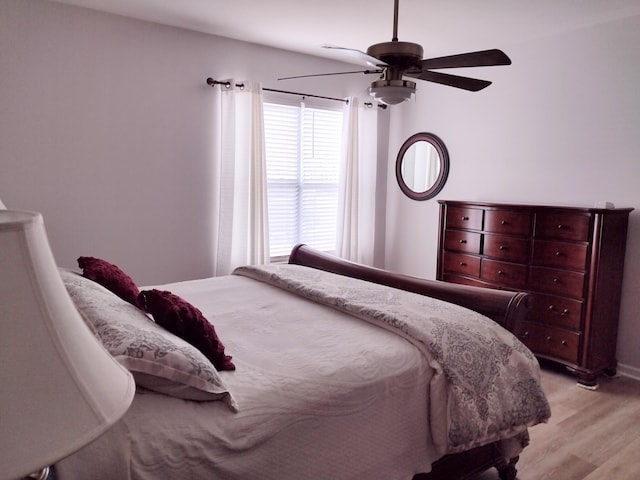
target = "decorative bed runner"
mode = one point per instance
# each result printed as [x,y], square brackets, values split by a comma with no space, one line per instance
[491,379]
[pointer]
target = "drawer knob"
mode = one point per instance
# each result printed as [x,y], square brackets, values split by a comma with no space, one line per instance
[560,226]
[564,342]
[556,280]
[462,240]
[463,264]
[501,272]
[548,338]
[464,219]
[563,313]
[503,222]
[502,247]
[525,334]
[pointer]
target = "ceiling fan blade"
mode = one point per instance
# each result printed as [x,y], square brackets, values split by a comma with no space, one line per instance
[484,58]
[466,83]
[352,55]
[332,73]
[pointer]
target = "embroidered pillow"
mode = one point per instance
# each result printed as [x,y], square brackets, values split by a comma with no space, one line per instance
[111,277]
[158,360]
[187,322]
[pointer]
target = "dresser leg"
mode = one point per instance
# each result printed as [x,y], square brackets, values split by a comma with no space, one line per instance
[586,379]
[590,381]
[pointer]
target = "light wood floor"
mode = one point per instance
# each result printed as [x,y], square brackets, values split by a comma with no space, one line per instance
[592,435]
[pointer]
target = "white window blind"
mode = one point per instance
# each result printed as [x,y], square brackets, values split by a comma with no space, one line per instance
[302,146]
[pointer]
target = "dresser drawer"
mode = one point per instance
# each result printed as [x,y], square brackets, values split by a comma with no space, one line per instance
[461,241]
[461,217]
[558,311]
[562,226]
[558,282]
[506,274]
[510,249]
[508,222]
[560,254]
[461,263]
[453,278]
[550,341]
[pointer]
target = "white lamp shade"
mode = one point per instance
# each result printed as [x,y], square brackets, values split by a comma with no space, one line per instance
[59,388]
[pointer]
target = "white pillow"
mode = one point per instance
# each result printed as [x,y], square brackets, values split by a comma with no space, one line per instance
[158,360]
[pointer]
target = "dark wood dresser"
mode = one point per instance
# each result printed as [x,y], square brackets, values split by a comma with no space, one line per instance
[571,259]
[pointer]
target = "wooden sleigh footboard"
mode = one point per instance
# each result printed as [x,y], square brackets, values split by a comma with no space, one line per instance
[505,308]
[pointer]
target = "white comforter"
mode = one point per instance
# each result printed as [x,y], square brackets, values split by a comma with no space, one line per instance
[309,380]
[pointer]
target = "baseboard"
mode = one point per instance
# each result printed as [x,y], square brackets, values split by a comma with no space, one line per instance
[629,371]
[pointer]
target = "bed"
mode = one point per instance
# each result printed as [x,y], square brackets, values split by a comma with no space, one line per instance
[341,371]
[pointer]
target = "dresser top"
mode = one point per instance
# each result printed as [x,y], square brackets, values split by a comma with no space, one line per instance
[526,206]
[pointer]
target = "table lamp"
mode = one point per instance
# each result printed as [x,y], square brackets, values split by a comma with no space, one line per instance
[59,388]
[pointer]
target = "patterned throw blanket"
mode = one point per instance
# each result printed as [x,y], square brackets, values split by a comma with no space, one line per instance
[491,379]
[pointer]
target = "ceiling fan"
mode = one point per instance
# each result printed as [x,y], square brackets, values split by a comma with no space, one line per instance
[394,60]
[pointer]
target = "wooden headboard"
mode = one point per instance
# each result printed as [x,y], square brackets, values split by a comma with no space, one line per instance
[505,307]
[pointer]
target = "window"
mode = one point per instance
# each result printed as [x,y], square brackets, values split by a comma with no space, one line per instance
[302,146]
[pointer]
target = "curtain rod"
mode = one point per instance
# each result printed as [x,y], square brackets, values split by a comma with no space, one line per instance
[211,82]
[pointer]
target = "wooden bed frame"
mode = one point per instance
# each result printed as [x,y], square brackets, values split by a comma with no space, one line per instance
[506,308]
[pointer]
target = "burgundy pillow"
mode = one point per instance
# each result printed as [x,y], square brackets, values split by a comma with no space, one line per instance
[187,322]
[111,277]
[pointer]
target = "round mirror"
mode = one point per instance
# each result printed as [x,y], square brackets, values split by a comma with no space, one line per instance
[422,166]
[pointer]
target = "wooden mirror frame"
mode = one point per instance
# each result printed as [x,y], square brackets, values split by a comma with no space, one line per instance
[443,154]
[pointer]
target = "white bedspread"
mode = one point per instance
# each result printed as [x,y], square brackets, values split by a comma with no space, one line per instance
[309,381]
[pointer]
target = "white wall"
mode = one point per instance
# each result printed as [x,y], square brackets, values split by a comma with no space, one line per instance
[105,127]
[559,126]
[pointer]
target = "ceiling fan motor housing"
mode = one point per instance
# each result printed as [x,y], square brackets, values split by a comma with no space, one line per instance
[405,56]
[400,58]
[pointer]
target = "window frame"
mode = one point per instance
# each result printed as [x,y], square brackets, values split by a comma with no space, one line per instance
[311,104]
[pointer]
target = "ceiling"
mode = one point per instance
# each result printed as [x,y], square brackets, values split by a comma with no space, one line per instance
[442,27]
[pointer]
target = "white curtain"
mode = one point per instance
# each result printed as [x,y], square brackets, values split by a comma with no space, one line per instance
[240,206]
[356,217]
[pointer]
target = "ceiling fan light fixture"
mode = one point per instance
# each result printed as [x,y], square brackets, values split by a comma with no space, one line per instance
[392,92]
